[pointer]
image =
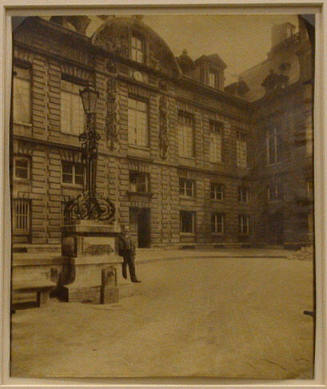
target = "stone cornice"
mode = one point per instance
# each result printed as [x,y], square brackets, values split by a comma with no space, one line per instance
[53,56]
[202,89]
[36,21]
[84,40]
[226,174]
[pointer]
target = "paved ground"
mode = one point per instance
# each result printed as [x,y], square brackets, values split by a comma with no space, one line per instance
[223,317]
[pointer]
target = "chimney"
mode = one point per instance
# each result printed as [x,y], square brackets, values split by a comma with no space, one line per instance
[281,32]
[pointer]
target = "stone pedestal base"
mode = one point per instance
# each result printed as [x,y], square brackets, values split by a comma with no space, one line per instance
[90,294]
[91,263]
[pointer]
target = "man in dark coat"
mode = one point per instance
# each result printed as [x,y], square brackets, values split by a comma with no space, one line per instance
[127,251]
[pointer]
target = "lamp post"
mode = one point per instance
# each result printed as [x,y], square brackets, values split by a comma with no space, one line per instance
[89,205]
[89,140]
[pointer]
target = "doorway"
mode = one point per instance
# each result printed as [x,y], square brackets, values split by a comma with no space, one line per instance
[140,225]
[276,235]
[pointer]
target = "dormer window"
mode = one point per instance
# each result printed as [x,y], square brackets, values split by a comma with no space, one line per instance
[138,49]
[212,79]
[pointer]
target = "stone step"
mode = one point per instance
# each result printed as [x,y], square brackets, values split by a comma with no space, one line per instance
[36,248]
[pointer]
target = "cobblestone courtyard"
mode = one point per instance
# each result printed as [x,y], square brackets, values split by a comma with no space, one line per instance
[221,317]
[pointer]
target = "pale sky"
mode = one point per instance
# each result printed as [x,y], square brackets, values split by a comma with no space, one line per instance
[241,41]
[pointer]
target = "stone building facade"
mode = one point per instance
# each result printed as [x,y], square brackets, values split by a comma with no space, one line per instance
[186,160]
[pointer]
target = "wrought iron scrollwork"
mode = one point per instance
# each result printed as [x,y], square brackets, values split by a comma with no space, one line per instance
[163,127]
[86,207]
[89,205]
[112,118]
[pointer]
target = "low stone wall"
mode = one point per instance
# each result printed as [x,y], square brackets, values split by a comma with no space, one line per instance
[27,267]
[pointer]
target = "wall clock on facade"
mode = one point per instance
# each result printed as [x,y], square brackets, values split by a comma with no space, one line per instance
[138,76]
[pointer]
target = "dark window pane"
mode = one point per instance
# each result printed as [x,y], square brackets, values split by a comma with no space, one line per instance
[79,169]
[67,178]
[21,173]
[187,222]
[79,179]
[67,167]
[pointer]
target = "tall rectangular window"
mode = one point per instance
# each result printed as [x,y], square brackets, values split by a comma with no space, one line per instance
[71,109]
[138,49]
[21,217]
[244,224]
[138,122]
[22,167]
[274,190]
[72,173]
[243,194]
[186,187]
[217,223]
[215,151]
[273,146]
[185,134]
[212,79]
[139,182]
[187,222]
[217,191]
[241,150]
[22,95]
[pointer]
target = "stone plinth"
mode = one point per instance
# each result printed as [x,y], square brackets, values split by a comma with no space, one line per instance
[91,262]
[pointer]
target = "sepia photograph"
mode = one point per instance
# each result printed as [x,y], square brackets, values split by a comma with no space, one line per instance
[162,196]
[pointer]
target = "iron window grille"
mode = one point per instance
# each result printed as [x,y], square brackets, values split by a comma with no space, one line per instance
[21,218]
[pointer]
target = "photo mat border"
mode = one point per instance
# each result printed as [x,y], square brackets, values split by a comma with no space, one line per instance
[23,8]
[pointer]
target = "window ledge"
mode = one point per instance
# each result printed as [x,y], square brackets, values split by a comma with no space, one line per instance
[187,158]
[71,186]
[69,134]
[187,233]
[243,167]
[184,197]
[143,194]
[137,147]
[25,124]
[279,163]
[22,180]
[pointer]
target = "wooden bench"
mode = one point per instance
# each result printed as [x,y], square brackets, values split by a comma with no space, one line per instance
[42,290]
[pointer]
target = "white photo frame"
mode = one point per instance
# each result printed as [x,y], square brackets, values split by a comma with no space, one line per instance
[27,7]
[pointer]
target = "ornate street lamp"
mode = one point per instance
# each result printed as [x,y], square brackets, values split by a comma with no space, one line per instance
[88,205]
